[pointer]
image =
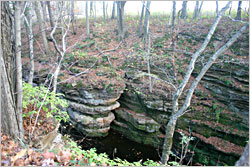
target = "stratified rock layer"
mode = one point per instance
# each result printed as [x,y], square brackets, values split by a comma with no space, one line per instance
[218,116]
[90,109]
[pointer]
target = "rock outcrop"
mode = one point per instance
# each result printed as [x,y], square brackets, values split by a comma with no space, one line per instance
[218,116]
[90,109]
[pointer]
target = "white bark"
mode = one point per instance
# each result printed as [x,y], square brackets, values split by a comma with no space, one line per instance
[29,25]
[148,64]
[19,88]
[87,18]
[146,20]
[104,11]
[50,15]
[176,113]
[62,51]
[37,7]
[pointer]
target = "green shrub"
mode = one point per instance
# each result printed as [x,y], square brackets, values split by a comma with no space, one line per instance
[41,97]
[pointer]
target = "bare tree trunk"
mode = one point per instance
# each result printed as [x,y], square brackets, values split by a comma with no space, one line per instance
[91,9]
[199,12]
[196,10]
[87,19]
[29,25]
[73,16]
[217,8]
[176,113]
[146,21]
[148,63]
[238,16]
[37,7]
[95,11]
[120,19]
[50,15]
[244,159]
[9,119]
[19,87]
[184,10]
[44,11]
[60,51]
[142,14]
[170,16]
[113,11]
[104,11]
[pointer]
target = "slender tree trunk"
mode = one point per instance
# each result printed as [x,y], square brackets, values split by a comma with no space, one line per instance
[19,87]
[95,11]
[50,15]
[87,19]
[199,12]
[170,16]
[91,9]
[142,14]
[217,8]
[238,16]
[29,25]
[72,16]
[37,7]
[120,19]
[113,11]
[9,119]
[196,10]
[104,11]
[148,64]
[44,12]
[146,20]
[184,10]
[176,113]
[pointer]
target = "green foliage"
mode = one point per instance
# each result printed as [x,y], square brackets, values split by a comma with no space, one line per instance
[99,159]
[217,114]
[185,139]
[41,97]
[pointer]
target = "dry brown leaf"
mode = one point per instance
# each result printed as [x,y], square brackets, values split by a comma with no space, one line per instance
[19,155]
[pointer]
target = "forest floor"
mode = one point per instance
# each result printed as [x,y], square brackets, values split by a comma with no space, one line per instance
[104,53]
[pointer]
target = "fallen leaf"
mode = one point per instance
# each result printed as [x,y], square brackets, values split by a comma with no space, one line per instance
[19,155]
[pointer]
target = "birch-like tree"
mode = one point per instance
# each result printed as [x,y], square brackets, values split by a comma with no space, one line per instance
[146,21]
[61,51]
[177,111]
[87,18]
[37,7]
[29,30]
[19,87]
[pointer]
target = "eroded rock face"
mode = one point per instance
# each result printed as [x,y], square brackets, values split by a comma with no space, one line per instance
[139,120]
[90,109]
[218,117]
